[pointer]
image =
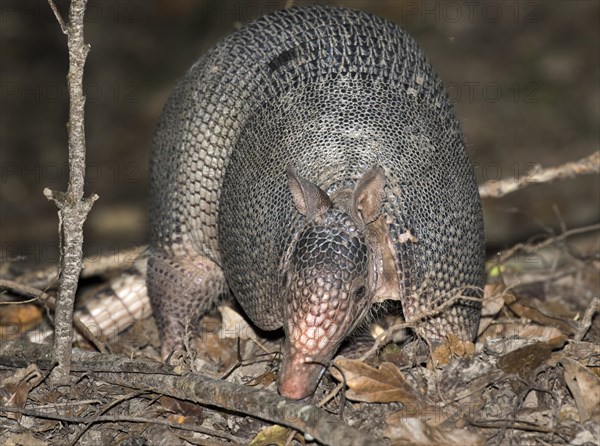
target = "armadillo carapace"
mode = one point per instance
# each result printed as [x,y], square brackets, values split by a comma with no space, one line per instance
[312,164]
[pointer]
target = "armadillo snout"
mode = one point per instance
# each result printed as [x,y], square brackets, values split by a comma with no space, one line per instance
[327,295]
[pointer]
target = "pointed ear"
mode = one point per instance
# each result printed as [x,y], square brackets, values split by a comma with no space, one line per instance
[367,197]
[309,199]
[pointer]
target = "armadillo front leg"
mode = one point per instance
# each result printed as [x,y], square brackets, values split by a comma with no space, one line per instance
[181,289]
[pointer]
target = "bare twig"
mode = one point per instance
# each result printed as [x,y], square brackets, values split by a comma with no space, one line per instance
[332,394]
[92,267]
[521,425]
[28,291]
[72,207]
[59,18]
[531,247]
[552,276]
[585,166]
[438,306]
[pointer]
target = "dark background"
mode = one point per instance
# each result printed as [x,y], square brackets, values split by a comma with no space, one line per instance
[524,77]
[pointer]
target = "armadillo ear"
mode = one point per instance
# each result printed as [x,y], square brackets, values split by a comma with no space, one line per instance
[367,197]
[309,199]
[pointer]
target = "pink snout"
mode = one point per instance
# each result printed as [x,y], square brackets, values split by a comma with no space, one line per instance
[298,378]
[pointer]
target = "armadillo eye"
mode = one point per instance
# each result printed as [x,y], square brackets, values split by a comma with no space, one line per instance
[359,293]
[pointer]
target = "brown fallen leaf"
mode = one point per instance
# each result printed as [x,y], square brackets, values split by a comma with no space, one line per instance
[535,315]
[223,352]
[15,388]
[370,385]
[213,346]
[585,353]
[523,361]
[585,388]
[492,299]
[18,319]
[275,436]
[184,411]
[518,330]
[264,380]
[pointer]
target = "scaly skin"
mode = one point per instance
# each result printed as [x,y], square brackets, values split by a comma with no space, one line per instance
[296,155]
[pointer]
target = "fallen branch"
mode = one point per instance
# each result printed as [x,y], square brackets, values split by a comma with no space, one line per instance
[585,166]
[159,378]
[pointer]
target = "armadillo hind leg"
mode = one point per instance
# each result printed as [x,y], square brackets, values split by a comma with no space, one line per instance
[181,289]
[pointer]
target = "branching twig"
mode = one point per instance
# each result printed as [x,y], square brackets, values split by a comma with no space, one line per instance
[72,207]
[588,165]
[59,18]
[532,247]
[438,306]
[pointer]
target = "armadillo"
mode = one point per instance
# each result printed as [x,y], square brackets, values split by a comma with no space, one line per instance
[312,165]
